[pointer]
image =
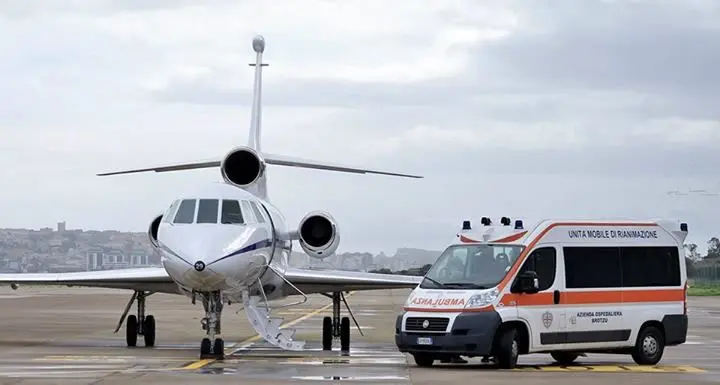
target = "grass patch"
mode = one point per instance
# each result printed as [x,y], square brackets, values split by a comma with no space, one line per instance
[704,289]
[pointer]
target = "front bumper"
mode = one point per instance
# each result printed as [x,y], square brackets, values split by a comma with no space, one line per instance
[471,334]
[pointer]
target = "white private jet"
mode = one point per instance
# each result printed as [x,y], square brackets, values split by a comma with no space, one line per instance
[226,243]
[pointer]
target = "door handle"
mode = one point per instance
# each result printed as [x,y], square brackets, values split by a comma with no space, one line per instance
[556,297]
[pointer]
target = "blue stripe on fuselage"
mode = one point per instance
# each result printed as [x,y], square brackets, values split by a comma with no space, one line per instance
[257,245]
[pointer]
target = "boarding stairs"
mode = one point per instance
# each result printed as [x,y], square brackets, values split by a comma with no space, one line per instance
[268,327]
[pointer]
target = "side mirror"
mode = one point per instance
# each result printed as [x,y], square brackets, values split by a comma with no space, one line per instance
[527,282]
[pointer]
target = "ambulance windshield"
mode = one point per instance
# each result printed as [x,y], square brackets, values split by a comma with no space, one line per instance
[472,266]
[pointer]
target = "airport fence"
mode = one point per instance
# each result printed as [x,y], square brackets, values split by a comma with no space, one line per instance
[709,274]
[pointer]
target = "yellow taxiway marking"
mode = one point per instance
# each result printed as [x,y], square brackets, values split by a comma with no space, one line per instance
[198,364]
[614,369]
[202,363]
[106,358]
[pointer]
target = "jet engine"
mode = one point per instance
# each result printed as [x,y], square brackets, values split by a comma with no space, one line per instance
[242,167]
[153,230]
[318,234]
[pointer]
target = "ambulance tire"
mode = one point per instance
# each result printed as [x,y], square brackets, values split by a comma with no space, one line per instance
[564,358]
[423,360]
[507,349]
[649,347]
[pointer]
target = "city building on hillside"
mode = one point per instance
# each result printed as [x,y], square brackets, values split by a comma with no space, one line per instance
[101,258]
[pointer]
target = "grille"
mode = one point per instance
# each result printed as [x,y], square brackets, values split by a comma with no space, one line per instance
[435,324]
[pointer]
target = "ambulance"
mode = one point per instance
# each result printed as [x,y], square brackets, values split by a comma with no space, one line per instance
[563,287]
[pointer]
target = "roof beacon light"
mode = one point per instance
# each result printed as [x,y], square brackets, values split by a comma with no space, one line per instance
[466,225]
[683,227]
[505,221]
[518,225]
[485,221]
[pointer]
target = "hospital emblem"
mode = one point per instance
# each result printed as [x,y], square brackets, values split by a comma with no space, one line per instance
[547,319]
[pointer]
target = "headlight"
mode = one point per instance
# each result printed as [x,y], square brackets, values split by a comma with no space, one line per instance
[483,299]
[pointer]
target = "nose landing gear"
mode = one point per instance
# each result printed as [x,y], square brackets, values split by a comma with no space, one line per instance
[212,346]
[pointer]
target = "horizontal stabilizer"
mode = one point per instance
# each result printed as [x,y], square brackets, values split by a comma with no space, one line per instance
[279,160]
[174,167]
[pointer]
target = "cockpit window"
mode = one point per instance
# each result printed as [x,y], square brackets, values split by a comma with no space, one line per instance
[249,216]
[257,212]
[186,212]
[231,212]
[167,218]
[207,211]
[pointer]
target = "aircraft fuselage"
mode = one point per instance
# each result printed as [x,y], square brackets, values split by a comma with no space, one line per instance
[229,257]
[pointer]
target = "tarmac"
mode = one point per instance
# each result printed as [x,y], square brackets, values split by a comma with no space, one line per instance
[53,335]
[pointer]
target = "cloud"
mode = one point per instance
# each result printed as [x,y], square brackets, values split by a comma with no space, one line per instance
[536,109]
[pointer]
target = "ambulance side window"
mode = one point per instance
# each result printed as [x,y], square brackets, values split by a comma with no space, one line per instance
[542,261]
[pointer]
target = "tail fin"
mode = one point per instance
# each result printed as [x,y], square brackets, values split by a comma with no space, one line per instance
[256,113]
[254,137]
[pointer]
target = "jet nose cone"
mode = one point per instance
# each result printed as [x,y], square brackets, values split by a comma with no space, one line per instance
[199,266]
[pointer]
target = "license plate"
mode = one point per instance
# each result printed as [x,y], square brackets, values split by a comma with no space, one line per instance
[424,341]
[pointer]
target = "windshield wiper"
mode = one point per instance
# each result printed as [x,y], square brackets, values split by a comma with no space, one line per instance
[434,281]
[464,285]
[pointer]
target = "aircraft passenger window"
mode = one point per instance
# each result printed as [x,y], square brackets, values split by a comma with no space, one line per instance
[186,212]
[248,213]
[257,212]
[207,211]
[167,218]
[231,212]
[542,261]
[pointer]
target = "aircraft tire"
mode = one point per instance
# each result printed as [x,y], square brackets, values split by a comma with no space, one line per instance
[219,348]
[149,331]
[423,360]
[205,348]
[131,329]
[327,333]
[345,334]
[564,358]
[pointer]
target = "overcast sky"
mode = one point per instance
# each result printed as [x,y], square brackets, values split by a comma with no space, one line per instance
[539,109]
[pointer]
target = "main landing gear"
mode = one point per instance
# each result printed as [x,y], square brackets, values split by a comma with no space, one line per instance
[212,346]
[335,326]
[140,324]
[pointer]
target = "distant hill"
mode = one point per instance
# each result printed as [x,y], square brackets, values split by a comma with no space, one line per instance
[403,259]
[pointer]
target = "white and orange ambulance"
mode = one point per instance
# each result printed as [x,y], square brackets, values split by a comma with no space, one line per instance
[560,287]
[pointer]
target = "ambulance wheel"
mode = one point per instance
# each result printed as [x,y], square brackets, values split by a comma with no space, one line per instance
[327,336]
[149,331]
[345,334]
[131,330]
[423,360]
[564,358]
[507,349]
[649,347]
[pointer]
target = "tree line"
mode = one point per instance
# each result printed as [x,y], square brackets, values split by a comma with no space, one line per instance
[704,266]
[419,271]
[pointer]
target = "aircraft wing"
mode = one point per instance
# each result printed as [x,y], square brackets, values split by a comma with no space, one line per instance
[325,281]
[153,279]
